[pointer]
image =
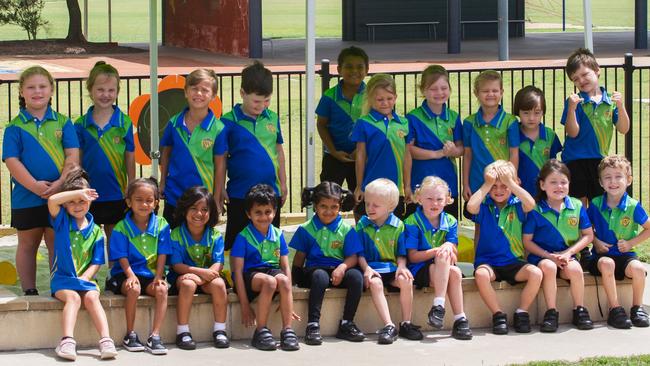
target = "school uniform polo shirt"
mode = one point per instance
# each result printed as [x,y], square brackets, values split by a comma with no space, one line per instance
[326,245]
[382,244]
[102,152]
[140,248]
[385,139]
[596,121]
[39,145]
[421,235]
[430,131]
[252,151]
[341,114]
[556,231]
[533,155]
[259,250]
[621,222]
[499,242]
[191,162]
[74,251]
[489,141]
[202,254]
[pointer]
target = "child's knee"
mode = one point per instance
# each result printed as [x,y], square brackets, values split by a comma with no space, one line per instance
[218,284]
[134,291]
[482,274]
[187,285]
[404,283]
[455,274]
[443,258]
[160,291]
[283,283]
[376,285]
[637,270]
[268,284]
[534,273]
[548,268]
[606,265]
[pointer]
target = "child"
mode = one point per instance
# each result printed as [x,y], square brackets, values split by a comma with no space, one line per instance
[255,154]
[617,218]
[383,261]
[197,261]
[39,147]
[330,246]
[139,247]
[78,254]
[500,206]
[554,233]
[193,144]
[589,118]
[381,143]
[436,135]
[431,241]
[106,138]
[490,134]
[339,108]
[260,266]
[537,144]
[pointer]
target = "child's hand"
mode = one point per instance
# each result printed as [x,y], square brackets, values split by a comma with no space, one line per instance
[490,177]
[505,175]
[408,195]
[467,192]
[448,148]
[358,194]
[574,99]
[403,272]
[247,316]
[40,187]
[564,258]
[207,274]
[192,277]
[617,98]
[161,189]
[601,246]
[555,258]
[131,282]
[54,187]
[368,275]
[158,281]
[337,275]
[624,246]
[283,194]
[224,200]
[89,194]
[445,251]
[342,156]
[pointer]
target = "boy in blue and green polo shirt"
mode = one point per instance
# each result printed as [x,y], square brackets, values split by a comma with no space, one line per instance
[499,206]
[339,108]
[617,219]
[253,150]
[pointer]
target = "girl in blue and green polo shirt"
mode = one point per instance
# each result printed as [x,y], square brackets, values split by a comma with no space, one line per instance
[329,246]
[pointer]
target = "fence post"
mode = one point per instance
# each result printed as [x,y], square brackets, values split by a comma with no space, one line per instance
[325,74]
[628,68]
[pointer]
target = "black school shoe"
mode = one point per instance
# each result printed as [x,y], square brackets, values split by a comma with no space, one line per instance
[184,341]
[436,316]
[522,322]
[461,330]
[289,340]
[31,292]
[387,335]
[220,339]
[410,331]
[500,323]
[639,317]
[549,324]
[581,318]
[618,319]
[263,340]
[350,332]
[312,335]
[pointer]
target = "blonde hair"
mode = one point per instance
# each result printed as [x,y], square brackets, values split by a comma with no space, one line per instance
[485,76]
[431,75]
[386,190]
[379,81]
[431,182]
[498,164]
[200,75]
[29,72]
[102,68]
[617,162]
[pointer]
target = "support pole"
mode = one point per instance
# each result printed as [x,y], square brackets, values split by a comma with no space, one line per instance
[86,19]
[453,26]
[641,24]
[110,22]
[153,79]
[310,108]
[589,39]
[503,30]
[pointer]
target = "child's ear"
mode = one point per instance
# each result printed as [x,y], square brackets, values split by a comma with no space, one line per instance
[241,92]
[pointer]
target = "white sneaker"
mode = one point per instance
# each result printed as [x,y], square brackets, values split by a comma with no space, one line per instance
[67,349]
[107,348]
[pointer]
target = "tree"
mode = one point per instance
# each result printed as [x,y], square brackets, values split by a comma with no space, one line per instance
[74,26]
[23,13]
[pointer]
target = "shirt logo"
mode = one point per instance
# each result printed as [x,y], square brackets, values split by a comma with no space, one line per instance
[276,253]
[608,114]
[336,244]
[573,221]
[547,152]
[117,139]
[625,221]
[401,134]
[206,143]
[270,127]
[511,217]
[449,132]
[502,141]
[58,134]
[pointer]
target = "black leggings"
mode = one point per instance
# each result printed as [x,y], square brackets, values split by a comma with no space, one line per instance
[318,280]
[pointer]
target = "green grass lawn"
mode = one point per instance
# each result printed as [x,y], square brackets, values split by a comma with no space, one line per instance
[597,361]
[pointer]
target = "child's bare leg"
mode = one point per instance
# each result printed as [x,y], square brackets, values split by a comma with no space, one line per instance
[440,275]
[130,305]
[28,242]
[573,273]
[96,312]
[286,299]
[217,289]
[186,290]
[606,266]
[160,293]
[455,290]
[266,286]
[637,272]
[48,236]
[533,277]
[379,300]
[71,304]
[549,282]
[484,275]
[405,296]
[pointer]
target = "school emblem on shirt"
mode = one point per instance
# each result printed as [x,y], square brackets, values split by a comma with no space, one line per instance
[547,152]
[449,131]
[502,141]
[625,221]
[336,244]
[206,143]
[116,139]
[270,127]
[573,221]
[401,134]
[608,114]
[511,217]
[58,134]
[276,253]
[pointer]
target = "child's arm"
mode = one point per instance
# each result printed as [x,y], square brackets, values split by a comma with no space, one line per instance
[71,161]
[160,269]
[408,164]
[514,156]
[474,203]
[20,173]
[623,123]
[56,200]
[467,163]
[324,133]
[402,270]
[627,245]
[131,278]
[367,271]
[220,195]
[90,272]
[205,274]
[164,169]
[571,126]
[282,174]
[453,149]
[129,161]
[339,271]
[527,201]
[586,237]
[535,249]
[247,313]
[419,153]
[417,256]
[299,259]
[600,246]
[359,169]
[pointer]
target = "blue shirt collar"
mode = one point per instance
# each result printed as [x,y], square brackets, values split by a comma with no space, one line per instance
[622,204]
[339,90]
[376,116]
[27,117]
[511,201]
[587,98]
[545,207]
[444,220]
[205,124]
[85,232]
[261,237]
[115,120]
[239,114]
[392,220]
[332,226]
[188,236]
[443,114]
[152,225]
[494,122]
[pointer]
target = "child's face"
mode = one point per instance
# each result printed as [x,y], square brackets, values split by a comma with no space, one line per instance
[104,91]
[531,119]
[199,95]
[142,201]
[438,92]
[77,208]
[586,79]
[383,101]
[261,216]
[198,215]
[615,180]
[353,70]
[37,92]
[377,208]
[327,210]
[489,94]
[556,186]
[500,192]
[254,104]
[433,200]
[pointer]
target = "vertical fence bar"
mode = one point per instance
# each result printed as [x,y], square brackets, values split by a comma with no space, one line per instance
[628,66]
[324,75]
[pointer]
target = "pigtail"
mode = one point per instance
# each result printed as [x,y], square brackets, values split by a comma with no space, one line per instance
[347,200]
[307,197]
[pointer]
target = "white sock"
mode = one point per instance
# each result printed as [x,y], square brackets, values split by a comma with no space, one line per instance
[218,326]
[405,322]
[343,322]
[459,316]
[439,301]
[520,311]
[182,328]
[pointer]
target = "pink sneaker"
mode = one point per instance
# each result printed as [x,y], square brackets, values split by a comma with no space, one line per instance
[107,348]
[67,349]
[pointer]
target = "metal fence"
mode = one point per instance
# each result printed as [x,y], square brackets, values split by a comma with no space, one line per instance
[70,98]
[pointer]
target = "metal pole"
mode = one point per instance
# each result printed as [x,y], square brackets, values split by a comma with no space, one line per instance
[503,30]
[641,24]
[453,26]
[589,40]
[324,74]
[86,19]
[628,68]
[110,22]
[153,79]
[563,15]
[310,108]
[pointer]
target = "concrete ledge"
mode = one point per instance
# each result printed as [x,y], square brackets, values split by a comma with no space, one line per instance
[34,322]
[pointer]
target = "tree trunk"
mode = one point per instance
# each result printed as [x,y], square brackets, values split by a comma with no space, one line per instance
[74,27]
